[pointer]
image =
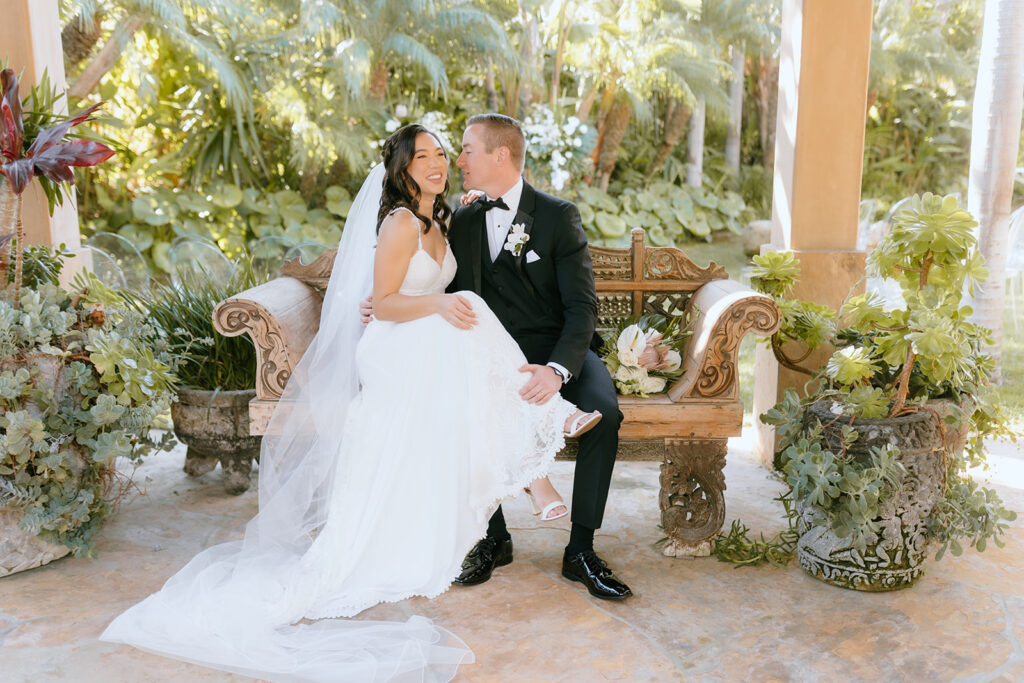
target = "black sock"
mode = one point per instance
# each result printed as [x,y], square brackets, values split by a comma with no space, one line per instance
[496,528]
[581,539]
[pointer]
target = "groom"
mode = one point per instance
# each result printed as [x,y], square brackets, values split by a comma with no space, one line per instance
[544,295]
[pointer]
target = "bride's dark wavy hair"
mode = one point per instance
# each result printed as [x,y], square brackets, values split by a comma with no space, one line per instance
[399,187]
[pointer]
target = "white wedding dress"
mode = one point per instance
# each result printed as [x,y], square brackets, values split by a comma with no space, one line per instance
[378,475]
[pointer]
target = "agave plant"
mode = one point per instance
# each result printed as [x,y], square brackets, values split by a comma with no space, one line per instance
[48,156]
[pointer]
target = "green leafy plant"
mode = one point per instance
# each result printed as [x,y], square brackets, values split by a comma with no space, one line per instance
[223,212]
[84,379]
[668,213]
[887,362]
[207,359]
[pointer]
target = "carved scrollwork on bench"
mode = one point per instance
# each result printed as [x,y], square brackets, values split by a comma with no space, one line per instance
[668,263]
[717,375]
[611,263]
[692,498]
[316,274]
[233,317]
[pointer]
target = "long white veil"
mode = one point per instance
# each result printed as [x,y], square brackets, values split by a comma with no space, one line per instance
[237,606]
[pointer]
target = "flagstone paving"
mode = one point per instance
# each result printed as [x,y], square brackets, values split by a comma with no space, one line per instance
[689,619]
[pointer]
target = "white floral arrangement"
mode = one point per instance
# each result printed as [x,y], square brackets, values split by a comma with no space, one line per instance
[644,356]
[556,152]
[436,122]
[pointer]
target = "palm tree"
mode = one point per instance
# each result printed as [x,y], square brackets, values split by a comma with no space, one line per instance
[384,36]
[638,52]
[174,20]
[731,24]
[995,139]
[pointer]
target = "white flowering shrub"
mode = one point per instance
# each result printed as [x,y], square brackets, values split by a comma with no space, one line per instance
[556,152]
[436,122]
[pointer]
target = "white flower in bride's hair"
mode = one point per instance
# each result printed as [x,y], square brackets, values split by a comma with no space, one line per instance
[392,125]
[517,237]
[401,111]
[630,345]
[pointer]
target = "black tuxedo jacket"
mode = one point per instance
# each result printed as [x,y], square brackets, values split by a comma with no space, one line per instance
[560,282]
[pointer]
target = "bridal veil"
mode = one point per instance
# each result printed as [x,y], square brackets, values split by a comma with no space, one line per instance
[232,607]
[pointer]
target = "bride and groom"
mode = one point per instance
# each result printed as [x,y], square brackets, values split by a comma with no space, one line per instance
[386,461]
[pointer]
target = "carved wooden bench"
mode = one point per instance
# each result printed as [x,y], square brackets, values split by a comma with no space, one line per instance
[686,429]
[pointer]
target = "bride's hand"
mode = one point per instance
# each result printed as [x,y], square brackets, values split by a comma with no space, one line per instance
[456,310]
[470,197]
[366,311]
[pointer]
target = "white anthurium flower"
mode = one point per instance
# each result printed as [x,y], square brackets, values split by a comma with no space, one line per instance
[652,385]
[674,360]
[631,344]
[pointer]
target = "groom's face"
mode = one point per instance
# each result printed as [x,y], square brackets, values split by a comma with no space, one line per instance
[480,168]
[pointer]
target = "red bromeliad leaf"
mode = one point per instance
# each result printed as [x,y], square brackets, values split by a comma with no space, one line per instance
[12,135]
[51,136]
[19,172]
[55,162]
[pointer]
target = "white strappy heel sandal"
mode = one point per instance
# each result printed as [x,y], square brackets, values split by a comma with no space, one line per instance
[545,514]
[582,423]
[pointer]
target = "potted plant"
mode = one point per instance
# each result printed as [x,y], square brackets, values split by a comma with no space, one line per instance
[216,376]
[83,378]
[876,456]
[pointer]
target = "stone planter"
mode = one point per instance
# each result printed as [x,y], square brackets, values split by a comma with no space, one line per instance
[21,550]
[896,559]
[216,429]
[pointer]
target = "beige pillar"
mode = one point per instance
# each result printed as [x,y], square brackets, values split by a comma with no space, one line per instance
[30,36]
[819,149]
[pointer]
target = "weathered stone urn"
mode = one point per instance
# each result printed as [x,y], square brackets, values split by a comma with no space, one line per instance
[895,559]
[21,550]
[215,427]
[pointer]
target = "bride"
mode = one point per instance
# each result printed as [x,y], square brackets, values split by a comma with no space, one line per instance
[386,456]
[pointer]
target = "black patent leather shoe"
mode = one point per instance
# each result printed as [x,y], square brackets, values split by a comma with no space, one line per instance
[592,572]
[482,559]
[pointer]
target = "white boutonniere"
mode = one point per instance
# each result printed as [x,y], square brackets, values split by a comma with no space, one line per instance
[517,237]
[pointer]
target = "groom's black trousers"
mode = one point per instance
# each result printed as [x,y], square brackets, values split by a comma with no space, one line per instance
[592,389]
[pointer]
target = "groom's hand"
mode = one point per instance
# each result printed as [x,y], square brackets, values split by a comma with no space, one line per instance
[543,385]
[366,311]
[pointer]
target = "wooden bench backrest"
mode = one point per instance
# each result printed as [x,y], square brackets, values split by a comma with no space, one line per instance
[637,280]
[631,281]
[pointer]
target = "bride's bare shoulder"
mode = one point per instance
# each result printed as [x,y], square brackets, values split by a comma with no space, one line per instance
[399,227]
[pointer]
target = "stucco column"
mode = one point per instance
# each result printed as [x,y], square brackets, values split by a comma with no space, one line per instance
[30,36]
[819,150]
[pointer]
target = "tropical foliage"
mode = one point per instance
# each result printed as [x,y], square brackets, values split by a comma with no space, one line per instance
[294,96]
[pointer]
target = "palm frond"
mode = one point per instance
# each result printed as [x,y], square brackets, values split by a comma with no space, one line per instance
[419,55]
[221,67]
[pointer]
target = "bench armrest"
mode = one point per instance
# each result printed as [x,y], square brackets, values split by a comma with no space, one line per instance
[724,312]
[281,317]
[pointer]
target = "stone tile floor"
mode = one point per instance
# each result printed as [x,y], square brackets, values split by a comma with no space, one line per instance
[689,619]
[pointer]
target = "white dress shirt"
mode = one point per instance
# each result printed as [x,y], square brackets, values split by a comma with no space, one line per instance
[498,223]
[500,220]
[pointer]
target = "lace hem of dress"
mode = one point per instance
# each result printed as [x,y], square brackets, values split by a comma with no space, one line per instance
[549,449]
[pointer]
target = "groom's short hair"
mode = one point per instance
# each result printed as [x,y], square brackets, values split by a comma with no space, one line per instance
[502,131]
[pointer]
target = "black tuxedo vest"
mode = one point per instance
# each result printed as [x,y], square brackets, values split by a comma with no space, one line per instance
[519,309]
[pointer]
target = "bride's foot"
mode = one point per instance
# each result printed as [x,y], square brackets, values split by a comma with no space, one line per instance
[545,501]
[581,422]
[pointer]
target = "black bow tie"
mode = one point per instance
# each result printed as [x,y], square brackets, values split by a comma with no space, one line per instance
[488,204]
